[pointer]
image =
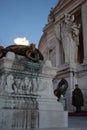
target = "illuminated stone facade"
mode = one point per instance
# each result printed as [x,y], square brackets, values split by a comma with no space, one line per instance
[51,44]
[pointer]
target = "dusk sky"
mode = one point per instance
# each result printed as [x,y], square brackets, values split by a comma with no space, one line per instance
[23,18]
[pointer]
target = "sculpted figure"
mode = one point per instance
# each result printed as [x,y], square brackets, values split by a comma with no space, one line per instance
[9,83]
[27,85]
[34,54]
[70,38]
[16,86]
[75,38]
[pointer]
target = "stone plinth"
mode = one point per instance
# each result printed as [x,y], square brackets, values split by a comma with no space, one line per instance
[19,112]
[51,114]
[26,95]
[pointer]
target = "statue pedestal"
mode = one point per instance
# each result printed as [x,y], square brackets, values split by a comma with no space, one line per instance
[51,114]
[26,96]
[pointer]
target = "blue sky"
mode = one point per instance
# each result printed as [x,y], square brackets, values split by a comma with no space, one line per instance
[23,18]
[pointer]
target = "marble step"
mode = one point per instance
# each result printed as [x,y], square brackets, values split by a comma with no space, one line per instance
[51,129]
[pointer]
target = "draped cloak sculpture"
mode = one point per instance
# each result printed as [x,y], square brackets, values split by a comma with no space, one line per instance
[70,38]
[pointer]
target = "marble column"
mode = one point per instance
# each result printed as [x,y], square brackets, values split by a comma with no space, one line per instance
[84,25]
[58,55]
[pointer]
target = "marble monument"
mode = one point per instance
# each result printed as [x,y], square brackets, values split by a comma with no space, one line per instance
[26,94]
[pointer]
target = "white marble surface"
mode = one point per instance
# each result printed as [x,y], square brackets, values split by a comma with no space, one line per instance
[27,98]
